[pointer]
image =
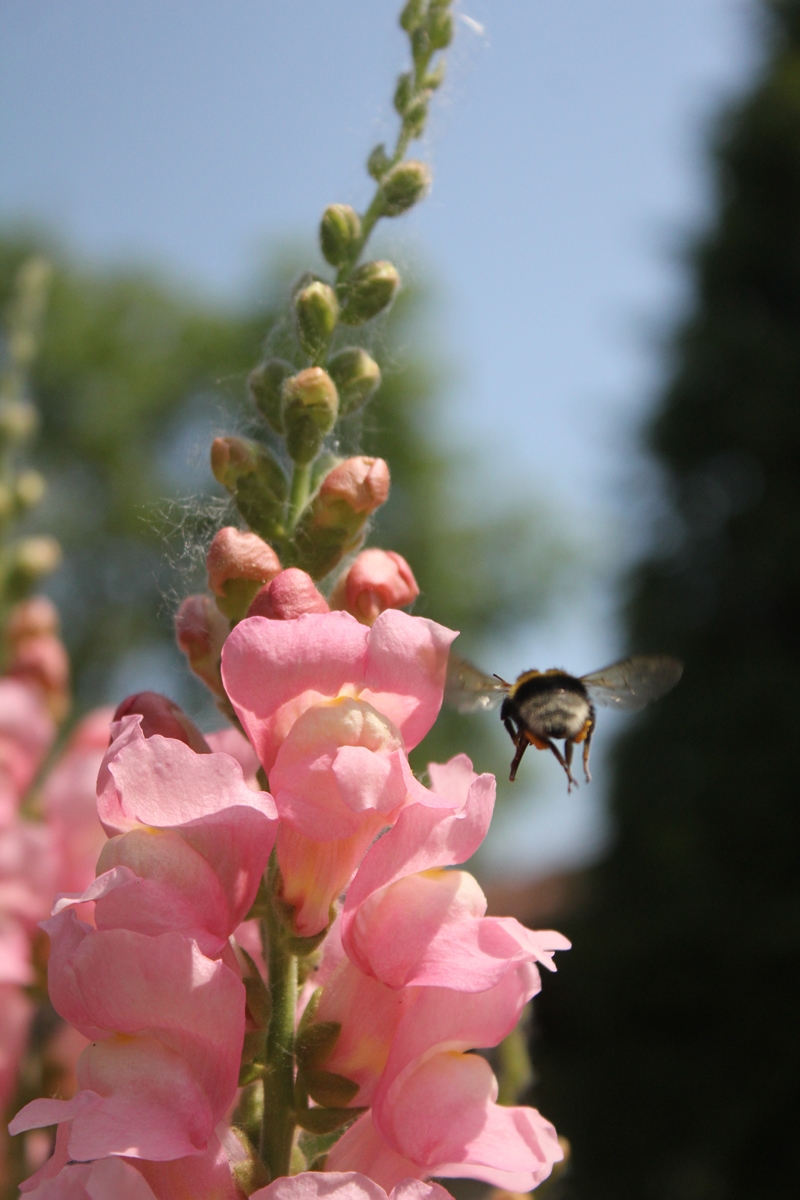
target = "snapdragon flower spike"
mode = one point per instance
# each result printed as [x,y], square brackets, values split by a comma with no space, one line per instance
[331,708]
[345,1185]
[166,1026]
[27,732]
[189,839]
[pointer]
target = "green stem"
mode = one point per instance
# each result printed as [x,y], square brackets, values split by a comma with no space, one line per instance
[277,1130]
[298,496]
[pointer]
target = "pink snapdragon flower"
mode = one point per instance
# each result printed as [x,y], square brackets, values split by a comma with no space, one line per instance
[27,732]
[377,580]
[332,708]
[345,1185]
[166,1026]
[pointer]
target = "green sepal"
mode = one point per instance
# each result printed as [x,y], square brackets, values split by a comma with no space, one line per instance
[328,1088]
[265,383]
[327,1120]
[249,1072]
[412,15]
[316,1042]
[378,162]
[403,93]
[440,28]
[250,1173]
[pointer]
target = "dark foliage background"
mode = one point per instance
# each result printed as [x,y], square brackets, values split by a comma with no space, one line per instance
[670,1047]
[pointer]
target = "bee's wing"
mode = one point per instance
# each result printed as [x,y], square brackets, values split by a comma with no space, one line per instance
[468,689]
[634,682]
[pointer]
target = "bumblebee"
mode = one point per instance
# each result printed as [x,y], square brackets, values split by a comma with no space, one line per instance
[542,707]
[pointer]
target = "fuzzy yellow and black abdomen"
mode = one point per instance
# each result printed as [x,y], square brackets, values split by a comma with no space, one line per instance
[548,704]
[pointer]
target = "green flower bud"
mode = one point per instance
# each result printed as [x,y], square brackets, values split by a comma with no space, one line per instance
[254,479]
[28,560]
[403,187]
[440,28]
[265,384]
[18,421]
[412,15]
[335,522]
[30,487]
[378,162]
[339,233]
[310,408]
[415,117]
[420,46]
[316,311]
[404,93]
[356,376]
[369,290]
[434,79]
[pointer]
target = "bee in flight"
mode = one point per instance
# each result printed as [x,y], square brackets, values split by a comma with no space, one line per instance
[545,705]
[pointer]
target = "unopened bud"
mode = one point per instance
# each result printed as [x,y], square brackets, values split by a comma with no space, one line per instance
[30,558]
[30,487]
[415,117]
[36,653]
[162,716]
[378,162]
[310,408]
[316,311]
[18,420]
[265,384]
[291,594]
[440,27]
[254,479]
[238,565]
[339,233]
[404,185]
[201,630]
[336,521]
[33,617]
[435,78]
[412,15]
[356,375]
[368,291]
[377,580]
[403,93]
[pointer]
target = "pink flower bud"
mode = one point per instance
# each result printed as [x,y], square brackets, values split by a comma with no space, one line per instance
[289,595]
[377,580]
[361,483]
[238,565]
[160,715]
[201,630]
[36,654]
[32,617]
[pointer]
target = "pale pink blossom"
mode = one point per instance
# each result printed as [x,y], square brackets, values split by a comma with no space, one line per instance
[275,670]
[345,1185]
[105,1179]
[27,732]
[166,1026]
[16,1013]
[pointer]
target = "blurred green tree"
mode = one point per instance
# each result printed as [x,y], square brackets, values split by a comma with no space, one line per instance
[670,1053]
[133,381]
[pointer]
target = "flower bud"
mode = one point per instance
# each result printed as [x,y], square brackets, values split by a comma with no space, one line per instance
[265,384]
[356,375]
[161,716]
[339,233]
[412,15]
[289,595]
[368,291]
[18,420]
[415,117]
[238,565]
[435,78]
[335,523]
[316,311]
[30,487]
[440,27]
[378,162]
[201,630]
[310,408]
[377,580]
[403,93]
[36,653]
[254,479]
[29,559]
[404,185]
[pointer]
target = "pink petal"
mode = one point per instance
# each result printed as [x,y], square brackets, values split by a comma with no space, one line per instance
[17,1012]
[205,1176]
[109,1177]
[445,1119]
[274,670]
[405,671]
[231,741]
[361,1148]
[318,1185]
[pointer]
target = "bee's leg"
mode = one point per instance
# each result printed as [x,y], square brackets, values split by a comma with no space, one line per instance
[587,743]
[522,745]
[572,781]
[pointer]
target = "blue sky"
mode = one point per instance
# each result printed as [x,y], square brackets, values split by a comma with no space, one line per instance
[568,156]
